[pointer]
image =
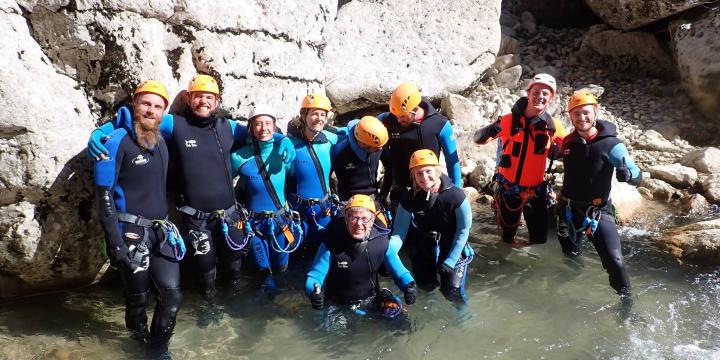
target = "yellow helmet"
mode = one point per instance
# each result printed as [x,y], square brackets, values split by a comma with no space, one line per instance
[362,201]
[423,157]
[404,99]
[205,83]
[154,87]
[371,132]
[582,98]
[316,100]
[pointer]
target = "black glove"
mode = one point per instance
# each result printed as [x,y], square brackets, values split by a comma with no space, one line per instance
[444,270]
[410,293]
[622,173]
[483,135]
[316,298]
[120,256]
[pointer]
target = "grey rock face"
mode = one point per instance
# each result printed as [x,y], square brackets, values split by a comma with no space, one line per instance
[697,243]
[632,14]
[376,45]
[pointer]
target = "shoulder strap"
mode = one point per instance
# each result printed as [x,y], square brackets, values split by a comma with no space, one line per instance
[318,167]
[266,177]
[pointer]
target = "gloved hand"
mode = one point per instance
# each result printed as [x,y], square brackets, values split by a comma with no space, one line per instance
[622,173]
[287,151]
[444,270]
[95,147]
[316,298]
[491,131]
[410,293]
[120,256]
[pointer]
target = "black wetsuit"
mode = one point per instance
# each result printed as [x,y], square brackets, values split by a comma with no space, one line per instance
[131,182]
[587,179]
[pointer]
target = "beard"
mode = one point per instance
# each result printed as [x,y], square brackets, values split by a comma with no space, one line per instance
[148,132]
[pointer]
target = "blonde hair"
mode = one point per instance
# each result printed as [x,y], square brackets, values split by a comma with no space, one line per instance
[438,173]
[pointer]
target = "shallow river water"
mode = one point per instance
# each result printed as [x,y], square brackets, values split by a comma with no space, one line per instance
[523,304]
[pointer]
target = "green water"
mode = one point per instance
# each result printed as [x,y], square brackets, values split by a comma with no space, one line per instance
[523,304]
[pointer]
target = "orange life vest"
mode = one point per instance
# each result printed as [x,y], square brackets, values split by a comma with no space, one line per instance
[525,147]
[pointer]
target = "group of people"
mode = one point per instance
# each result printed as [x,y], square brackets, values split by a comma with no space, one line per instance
[250,192]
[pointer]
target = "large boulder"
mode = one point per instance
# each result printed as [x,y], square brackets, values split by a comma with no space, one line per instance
[632,14]
[705,160]
[654,141]
[711,188]
[49,238]
[635,51]
[376,45]
[260,53]
[697,49]
[674,174]
[697,243]
[627,201]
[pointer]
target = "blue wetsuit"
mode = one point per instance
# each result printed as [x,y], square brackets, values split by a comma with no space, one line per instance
[310,189]
[585,209]
[130,191]
[347,269]
[356,169]
[275,234]
[434,132]
[442,226]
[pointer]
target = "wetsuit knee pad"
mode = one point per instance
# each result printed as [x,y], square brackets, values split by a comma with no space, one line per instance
[135,316]
[169,300]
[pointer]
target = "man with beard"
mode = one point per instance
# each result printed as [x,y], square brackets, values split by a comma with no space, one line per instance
[528,136]
[590,154]
[140,241]
[200,146]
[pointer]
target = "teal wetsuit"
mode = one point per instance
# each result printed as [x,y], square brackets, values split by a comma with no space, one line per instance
[258,165]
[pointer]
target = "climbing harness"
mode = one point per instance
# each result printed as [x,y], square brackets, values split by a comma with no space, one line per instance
[224,220]
[592,216]
[172,234]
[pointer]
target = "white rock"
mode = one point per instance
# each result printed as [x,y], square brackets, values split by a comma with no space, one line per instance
[632,14]
[697,243]
[711,188]
[660,189]
[706,160]
[627,201]
[697,49]
[674,174]
[482,174]
[509,78]
[653,140]
[374,46]
[503,62]
[695,204]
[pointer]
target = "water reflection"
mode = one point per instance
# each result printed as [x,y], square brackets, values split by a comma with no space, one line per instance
[531,303]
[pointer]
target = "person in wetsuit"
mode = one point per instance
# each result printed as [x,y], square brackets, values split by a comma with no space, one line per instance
[275,231]
[140,241]
[345,269]
[528,136]
[200,145]
[441,215]
[309,190]
[590,154]
[414,124]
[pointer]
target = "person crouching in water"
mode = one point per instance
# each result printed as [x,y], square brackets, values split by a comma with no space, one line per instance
[272,229]
[345,270]
[140,241]
[590,154]
[441,216]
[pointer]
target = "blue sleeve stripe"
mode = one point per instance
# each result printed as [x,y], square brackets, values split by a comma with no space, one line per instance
[463,217]
[400,274]
[401,224]
[106,169]
[318,270]
[449,148]
[617,153]
[166,126]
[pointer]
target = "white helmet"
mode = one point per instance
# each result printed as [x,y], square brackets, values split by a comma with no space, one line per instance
[261,110]
[545,79]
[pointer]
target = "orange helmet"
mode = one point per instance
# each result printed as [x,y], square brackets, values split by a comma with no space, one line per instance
[581,98]
[205,83]
[153,87]
[362,201]
[371,132]
[423,157]
[404,99]
[316,100]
